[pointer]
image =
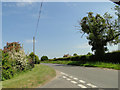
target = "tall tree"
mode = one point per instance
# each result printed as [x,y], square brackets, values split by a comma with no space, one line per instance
[100,31]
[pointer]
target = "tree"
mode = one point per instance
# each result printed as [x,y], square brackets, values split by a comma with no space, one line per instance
[101,30]
[74,54]
[43,58]
[36,61]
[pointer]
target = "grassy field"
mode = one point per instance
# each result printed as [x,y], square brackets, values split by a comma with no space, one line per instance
[88,64]
[31,79]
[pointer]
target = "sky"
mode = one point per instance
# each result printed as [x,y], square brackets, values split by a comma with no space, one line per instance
[57,32]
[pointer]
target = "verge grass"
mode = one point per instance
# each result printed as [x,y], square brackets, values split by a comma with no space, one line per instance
[38,76]
[87,64]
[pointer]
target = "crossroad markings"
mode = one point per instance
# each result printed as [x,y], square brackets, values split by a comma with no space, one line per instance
[93,86]
[62,73]
[82,81]
[82,86]
[75,78]
[68,79]
[64,77]
[73,82]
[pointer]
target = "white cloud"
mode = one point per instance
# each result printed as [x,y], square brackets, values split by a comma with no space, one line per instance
[113,48]
[18,4]
[23,4]
[84,45]
[87,46]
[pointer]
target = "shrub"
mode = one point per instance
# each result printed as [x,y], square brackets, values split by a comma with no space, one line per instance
[43,58]
[10,46]
[35,58]
[74,54]
[30,64]
[7,68]
[19,58]
[14,61]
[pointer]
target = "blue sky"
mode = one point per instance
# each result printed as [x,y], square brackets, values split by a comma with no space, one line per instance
[57,34]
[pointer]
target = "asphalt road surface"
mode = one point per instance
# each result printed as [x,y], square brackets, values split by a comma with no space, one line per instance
[82,77]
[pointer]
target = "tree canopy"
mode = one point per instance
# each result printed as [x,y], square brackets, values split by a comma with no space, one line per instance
[100,31]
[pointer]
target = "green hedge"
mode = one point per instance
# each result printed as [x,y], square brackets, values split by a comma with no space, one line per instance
[113,57]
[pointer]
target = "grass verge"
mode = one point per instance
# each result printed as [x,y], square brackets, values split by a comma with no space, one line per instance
[38,76]
[88,64]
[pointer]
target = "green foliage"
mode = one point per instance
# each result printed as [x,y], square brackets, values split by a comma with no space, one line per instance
[100,30]
[43,58]
[14,61]
[74,54]
[7,69]
[112,57]
[89,53]
[30,64]
[34,58]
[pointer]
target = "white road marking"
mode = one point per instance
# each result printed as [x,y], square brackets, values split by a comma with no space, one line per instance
[64,77]
[82,86]
[82,81]
[62,73]
[93,86]
[74,82]
[68,79]
[75,78]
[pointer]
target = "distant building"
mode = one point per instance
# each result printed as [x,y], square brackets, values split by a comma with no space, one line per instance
[66,55]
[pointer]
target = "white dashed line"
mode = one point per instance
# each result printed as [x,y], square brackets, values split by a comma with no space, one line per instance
[73,82]
[64,77]
[82,81]
[68,79]
[82,86]
[62,73]
[93,86]
[75,78]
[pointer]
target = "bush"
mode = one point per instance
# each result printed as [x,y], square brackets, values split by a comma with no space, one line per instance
[14,61]
[43,58]
[7,68]
[74,54]
[32,56]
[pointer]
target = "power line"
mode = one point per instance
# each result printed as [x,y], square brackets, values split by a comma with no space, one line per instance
[39,17]
[36,29]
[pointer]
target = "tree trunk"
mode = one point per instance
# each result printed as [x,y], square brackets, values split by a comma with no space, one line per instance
[100,51]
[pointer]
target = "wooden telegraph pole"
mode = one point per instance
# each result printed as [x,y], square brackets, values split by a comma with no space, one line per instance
[34,48]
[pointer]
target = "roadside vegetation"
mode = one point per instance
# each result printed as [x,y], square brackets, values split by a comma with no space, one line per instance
[109,60]
[38,76]
[21,70]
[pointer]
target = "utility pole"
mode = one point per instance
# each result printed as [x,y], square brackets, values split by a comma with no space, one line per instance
[34,48]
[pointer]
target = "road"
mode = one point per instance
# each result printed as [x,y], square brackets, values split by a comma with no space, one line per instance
[82,77]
